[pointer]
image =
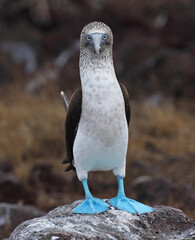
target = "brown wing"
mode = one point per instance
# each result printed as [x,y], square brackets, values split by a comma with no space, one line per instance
[71,125]
[127,103]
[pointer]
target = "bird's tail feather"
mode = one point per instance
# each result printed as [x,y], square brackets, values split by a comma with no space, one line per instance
[65,100]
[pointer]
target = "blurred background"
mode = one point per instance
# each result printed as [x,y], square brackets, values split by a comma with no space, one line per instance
[154,56]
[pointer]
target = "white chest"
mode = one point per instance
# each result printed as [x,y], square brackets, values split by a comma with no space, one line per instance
[103,111]
[102,136]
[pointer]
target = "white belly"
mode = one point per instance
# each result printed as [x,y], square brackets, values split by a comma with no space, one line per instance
[91,154]
[102,137]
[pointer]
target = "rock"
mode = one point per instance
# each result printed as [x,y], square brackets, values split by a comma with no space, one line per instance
[11,215]
[13,191]
[21,53]
[61,223]
[43,178]
[153,189]
[6,76]
[159,190]
[6,165]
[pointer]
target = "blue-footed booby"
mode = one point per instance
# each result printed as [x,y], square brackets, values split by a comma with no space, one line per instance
[97,121]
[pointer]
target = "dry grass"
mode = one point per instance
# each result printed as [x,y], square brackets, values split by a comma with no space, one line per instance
[162,133]
[162,139]
[32,128]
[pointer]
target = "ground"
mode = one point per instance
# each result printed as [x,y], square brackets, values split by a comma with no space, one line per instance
[159,161]
[154,49]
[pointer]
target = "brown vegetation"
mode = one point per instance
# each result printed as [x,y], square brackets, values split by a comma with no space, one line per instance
[161,147]
[154,47]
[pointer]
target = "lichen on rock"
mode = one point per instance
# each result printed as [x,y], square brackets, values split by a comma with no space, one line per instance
[62,223]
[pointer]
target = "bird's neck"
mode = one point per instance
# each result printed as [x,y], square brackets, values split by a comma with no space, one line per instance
[89,59]
[96,72]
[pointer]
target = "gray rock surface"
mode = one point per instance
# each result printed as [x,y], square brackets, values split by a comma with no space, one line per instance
[165,223]
[11,215]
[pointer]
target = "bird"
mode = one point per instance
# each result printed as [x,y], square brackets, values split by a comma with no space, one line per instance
[97,121]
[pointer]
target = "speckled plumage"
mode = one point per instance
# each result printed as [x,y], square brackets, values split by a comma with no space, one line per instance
[89,58]
[102,136]
[97,122]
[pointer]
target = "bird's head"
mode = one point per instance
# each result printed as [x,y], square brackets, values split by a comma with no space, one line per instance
[96,38]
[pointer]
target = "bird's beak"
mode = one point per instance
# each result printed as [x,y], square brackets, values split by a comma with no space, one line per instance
[97,41]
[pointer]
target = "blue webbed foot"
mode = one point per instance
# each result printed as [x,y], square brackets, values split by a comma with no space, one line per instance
[123,203]
[92,206]
[129,205]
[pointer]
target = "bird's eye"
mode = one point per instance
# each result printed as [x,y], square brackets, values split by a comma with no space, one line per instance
[105,37]
[88,38]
